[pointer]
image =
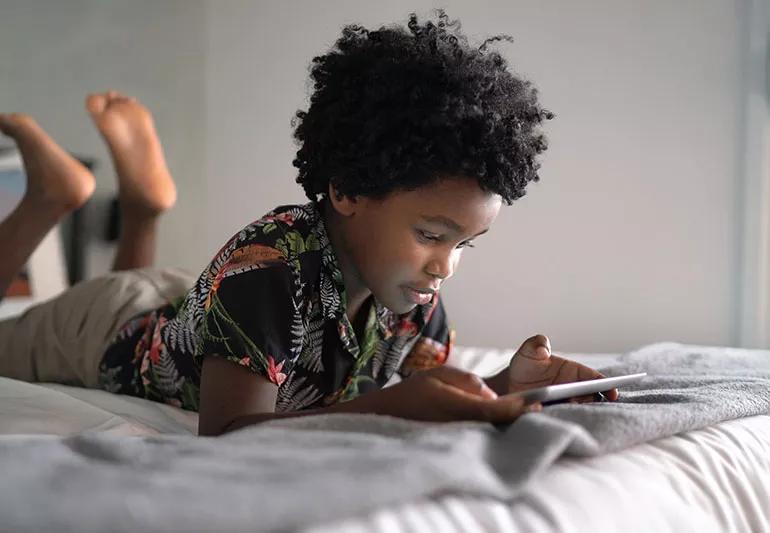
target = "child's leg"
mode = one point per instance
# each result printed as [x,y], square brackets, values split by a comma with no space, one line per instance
[56,184]
[62,340]
[145,186]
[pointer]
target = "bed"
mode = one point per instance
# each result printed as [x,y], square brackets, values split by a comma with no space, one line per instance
[713,477]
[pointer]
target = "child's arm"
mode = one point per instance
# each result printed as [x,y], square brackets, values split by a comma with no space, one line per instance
[499,382]
[229,391]
[233,397]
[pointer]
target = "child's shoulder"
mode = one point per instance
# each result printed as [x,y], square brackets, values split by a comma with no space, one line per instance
[281,234]
[289,217]
[274,240]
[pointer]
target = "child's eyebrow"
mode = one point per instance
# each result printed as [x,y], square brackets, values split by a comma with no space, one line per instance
[449,223]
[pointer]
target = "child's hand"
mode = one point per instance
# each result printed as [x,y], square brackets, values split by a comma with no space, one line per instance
[444,394]
[534,366]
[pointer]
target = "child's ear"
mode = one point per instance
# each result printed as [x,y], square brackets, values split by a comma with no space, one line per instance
[343,204]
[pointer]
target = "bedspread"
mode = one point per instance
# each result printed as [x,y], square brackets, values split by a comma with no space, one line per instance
[271,477]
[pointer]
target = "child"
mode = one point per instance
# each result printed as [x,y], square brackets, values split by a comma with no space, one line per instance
[411,143]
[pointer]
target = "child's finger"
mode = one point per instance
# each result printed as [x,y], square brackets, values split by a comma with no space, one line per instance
[585,373]
[583,399]
[465,381]
[612,394]
[506,409]
[465,405]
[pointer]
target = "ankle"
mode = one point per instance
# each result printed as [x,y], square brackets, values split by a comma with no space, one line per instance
[138,213]
[137,242]
[47,210]
[140,209]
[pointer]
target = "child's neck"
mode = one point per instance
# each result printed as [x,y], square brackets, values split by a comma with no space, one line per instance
[359,318]
[356,292]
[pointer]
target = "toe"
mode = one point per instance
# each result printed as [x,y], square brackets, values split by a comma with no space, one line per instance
[95,103]
[14,123]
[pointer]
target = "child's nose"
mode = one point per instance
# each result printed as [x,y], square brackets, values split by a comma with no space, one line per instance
[442,267]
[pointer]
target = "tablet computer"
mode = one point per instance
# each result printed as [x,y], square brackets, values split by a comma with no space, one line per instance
[565,391]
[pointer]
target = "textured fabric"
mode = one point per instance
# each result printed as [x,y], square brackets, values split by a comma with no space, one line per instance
[285,474]
[63,339]
[273,301]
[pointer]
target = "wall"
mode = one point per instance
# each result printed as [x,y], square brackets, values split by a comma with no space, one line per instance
[631,237]
[53,53]
[754,142]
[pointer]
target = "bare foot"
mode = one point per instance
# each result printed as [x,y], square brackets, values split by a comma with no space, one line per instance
[144,182]
[55,180]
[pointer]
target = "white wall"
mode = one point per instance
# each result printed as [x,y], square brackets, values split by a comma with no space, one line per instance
[631,236]
[754,304]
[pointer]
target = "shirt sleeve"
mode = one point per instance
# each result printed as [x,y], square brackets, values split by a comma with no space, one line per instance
[248,315]
[433,346]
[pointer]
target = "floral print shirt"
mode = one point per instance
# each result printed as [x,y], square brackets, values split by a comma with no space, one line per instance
[273,301]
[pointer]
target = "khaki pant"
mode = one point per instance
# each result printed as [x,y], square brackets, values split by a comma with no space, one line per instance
[63,339]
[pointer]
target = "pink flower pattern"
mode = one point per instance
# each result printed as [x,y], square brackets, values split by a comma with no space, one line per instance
[274,371]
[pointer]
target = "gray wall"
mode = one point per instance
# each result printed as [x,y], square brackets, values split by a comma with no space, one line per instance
[631,237]
[53,53]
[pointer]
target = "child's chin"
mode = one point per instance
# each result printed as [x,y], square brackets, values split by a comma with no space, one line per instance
[402,308]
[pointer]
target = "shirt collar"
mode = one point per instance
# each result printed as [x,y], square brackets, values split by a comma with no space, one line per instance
[333,295]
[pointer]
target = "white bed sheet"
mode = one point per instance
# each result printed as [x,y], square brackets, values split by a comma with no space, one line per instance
[714,479]
[48,408]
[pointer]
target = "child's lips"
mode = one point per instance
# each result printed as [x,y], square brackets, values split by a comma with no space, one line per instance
[420,297]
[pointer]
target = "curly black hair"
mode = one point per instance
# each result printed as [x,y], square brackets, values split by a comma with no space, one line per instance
[395,110]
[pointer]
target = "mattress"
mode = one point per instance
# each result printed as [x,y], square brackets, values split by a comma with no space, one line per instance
[713,479]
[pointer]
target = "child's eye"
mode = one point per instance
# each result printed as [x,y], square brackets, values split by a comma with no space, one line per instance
[425,236]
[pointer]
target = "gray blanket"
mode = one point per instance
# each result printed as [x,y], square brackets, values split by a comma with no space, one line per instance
[289,474]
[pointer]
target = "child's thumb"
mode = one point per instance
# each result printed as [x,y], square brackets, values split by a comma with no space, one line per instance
[537,347]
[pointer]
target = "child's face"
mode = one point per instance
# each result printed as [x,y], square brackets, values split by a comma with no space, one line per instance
[414,239]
